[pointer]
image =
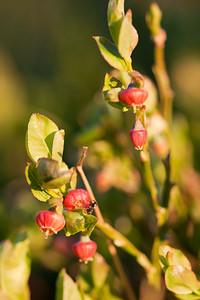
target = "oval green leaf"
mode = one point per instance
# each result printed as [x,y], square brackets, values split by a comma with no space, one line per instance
[171,256]
[128,37]
[115,15]
[14,270]
[58,145]
[40,136]
[115,11]
[176,257]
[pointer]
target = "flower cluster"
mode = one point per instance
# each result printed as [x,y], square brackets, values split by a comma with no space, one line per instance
[51,180]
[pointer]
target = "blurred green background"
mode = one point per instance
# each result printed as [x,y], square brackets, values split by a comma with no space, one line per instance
[50,64]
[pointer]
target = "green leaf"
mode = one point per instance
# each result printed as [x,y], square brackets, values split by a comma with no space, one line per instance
[74,222]
[115,16]
[33,180]
[176,257]
[66,288]
[90,222]
[40,136]
[87,297]
[73,180]
[14,270]
[99,270]
[58,145]
[107,295]
[51,174]
[181,280]
[188,296]
[170,256]
[115,10]
[110,53]
[77,220]
[128,37]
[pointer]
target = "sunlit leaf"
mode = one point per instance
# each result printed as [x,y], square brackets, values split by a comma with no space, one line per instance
[58,145]
[115,10]
[40,136]
[33,180]
[188,296]
[115,15]
[72,182]
[66,288]
[4,296]
[128,37]
[110,53]
[14,270]
[171,256]
[176,257]
[181,280]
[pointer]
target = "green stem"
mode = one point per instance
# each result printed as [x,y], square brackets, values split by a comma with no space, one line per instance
[122,242]
[167,184]
[162,78]
[148,177]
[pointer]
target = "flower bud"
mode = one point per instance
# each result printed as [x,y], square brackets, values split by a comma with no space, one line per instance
[78,198]
[50,222]
[133,96]
[138,135]
[85,250]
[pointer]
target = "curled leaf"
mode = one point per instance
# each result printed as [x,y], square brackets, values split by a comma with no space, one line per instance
[52,174]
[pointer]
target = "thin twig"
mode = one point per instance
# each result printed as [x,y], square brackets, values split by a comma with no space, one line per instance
[120,270]
[148,177]
[92,197]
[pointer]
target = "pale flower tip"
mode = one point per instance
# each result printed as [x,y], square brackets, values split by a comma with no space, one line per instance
[46,234]
[138,148]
